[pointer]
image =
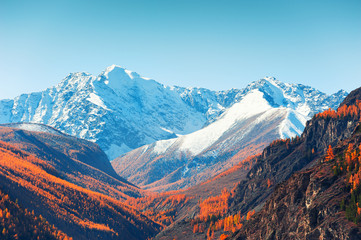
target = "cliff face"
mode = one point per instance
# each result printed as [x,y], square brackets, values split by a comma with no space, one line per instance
[278,162]
[308,204]
[281,159]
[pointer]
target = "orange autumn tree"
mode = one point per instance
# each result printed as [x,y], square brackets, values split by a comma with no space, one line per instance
[216,206]
[223,237]
[350,165]
[195,228]
[269,183]
[342,112]
[250,214]
[329,154]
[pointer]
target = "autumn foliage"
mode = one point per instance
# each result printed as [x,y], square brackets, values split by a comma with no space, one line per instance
[342,112]
[162,207]
[19,223]
[223,237]
[214,217]
[214,206]
[287,142]
[349,163]
[329,154]
[35,183]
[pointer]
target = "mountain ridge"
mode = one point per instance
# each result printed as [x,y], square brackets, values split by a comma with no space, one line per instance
[143,110]
[295,187]
[322,194]
[249,125]
[71,183]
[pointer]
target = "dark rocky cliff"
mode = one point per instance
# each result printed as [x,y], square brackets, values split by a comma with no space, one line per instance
[307,205]
[283,158]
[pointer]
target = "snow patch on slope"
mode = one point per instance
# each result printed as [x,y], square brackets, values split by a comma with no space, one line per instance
[162,145]
[33,127]
[293,125]
[250,105]
[93,98]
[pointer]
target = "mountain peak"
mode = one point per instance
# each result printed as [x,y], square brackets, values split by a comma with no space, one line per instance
[113,67]
[270,79]
[119,72]
[78,74]
[75,81]
[121,110]
[266,82]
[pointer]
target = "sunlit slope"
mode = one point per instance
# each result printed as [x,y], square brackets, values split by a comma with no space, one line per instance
[75,160]
[80,213]
[19,223]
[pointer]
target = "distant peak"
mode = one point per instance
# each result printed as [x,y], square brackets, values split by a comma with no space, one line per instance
[266,81]
[34,127]
[117,70]
[75,80]
[78,74]
[341,92]
[271,80]
[112,67]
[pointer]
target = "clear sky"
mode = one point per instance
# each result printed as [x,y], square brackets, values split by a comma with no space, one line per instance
[219,44]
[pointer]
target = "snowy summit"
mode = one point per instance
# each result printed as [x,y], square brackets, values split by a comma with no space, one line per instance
[121,110]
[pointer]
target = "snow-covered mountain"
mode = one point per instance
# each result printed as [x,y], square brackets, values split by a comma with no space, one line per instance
[122,111]
[117,109]
[264,111]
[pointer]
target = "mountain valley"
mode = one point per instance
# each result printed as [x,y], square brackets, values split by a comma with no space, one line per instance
[270,161]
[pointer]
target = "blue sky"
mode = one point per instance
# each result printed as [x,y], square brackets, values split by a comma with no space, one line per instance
[214,44]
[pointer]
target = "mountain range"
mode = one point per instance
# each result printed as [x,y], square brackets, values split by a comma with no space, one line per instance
[122,111]
[262,112]
[304,181]
[305,188]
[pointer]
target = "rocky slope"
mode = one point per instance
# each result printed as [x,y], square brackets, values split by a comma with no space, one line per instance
[121,111]
[281,159]
[311,204]
[308,202]
[307,206]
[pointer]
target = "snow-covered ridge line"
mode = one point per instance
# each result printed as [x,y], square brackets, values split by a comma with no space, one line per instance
[33,127]
[121,110]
